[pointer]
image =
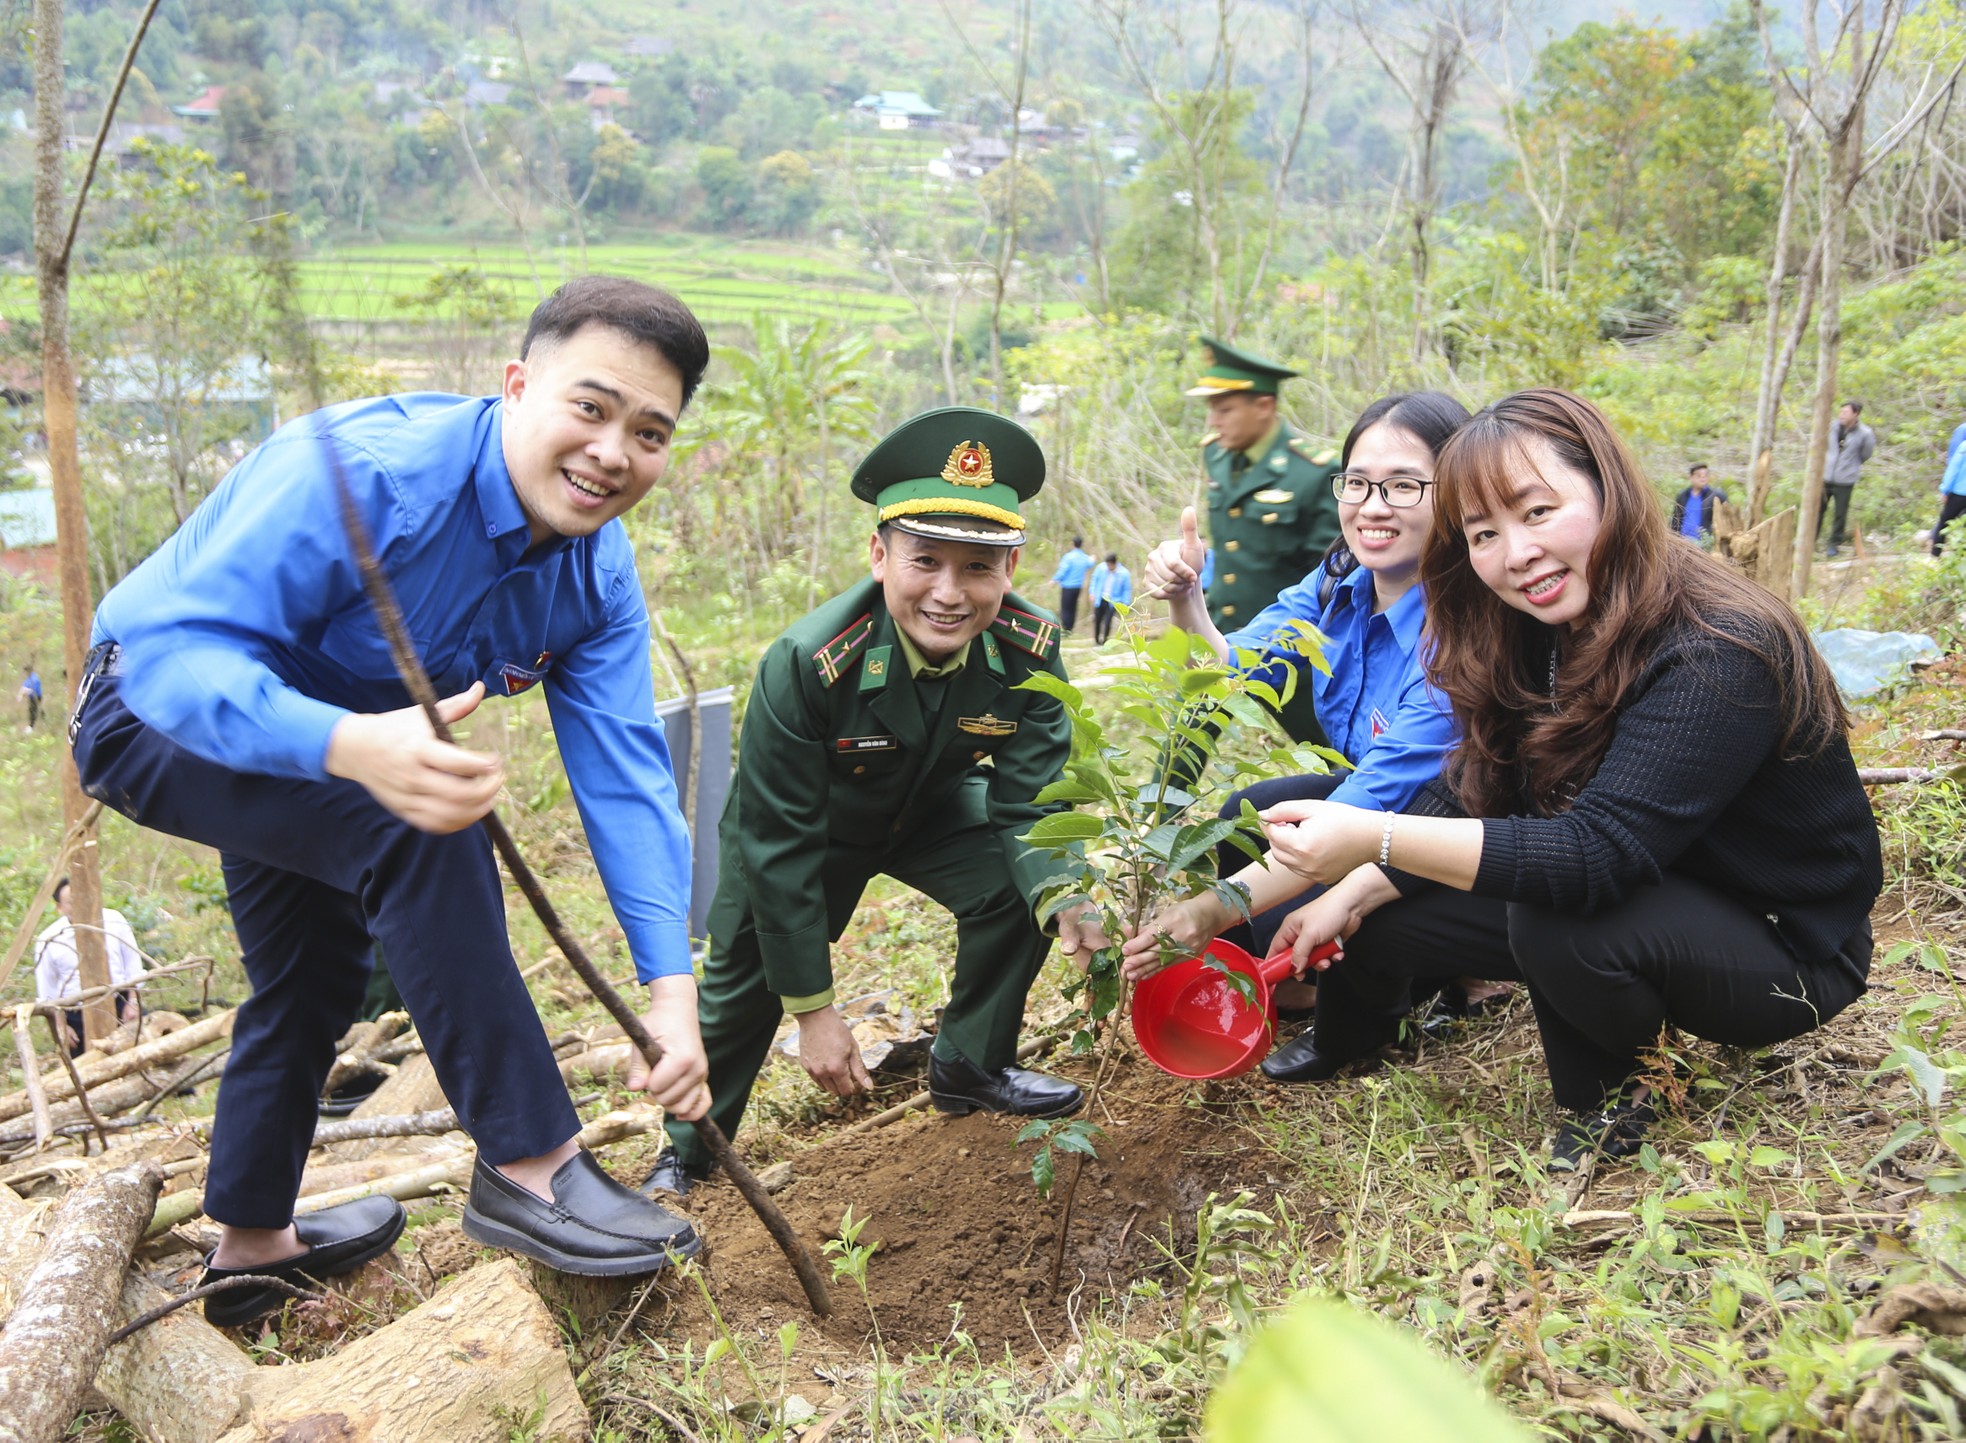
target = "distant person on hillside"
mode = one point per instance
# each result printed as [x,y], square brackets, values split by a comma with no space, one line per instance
[30,695]
[57,971]
[1952,488]
[1851,443]
[1070,576]
[1112,586]
[1693,508]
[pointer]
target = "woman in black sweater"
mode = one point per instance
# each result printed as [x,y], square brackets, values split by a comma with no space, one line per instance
[1653,818]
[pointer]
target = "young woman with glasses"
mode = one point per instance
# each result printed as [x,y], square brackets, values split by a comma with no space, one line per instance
[1374,703]
[1652,819]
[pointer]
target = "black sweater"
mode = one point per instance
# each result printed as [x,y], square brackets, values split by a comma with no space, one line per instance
[1696,782]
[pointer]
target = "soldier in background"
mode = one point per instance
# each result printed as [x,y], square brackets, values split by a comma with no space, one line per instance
[1271,514]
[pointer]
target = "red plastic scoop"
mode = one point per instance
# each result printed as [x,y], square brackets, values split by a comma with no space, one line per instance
[1192,1022]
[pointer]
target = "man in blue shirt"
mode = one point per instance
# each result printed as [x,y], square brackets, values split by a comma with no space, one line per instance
[30,693]
[1112,586]
[1952,488]
[1070,576]
[240,694]
[1693,508]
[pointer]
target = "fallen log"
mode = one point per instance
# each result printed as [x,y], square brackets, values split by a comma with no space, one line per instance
[59,1330]
[412,1088]
[1898,776]
[455,1370]
[30,1071]
[434,1123]
[100,1068]
[356,1054]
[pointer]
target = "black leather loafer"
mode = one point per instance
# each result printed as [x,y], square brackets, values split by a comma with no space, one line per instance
[339,1240]
[594,1226]
[961,1087]
[1616,1132]
[672,1175]
[1299,1060]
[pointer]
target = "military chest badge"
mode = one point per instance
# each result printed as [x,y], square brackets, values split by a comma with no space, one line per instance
[987,725]
[1273,498]
[969,465]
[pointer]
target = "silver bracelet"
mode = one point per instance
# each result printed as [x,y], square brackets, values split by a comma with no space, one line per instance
[1386,840]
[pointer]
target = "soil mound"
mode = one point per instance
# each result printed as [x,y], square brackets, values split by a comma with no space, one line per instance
[965,1240]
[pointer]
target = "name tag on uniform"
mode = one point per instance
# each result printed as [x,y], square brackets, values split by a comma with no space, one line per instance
[866,744]
[1379,722]
[986,725]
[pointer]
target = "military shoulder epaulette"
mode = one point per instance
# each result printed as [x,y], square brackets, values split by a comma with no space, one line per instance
[1211,438]
[1316,456]
[832,660]
[1027,632]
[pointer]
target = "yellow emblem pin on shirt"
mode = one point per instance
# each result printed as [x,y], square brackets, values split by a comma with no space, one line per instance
[987,725]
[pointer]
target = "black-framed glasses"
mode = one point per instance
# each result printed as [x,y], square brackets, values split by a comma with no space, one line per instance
[1353,487]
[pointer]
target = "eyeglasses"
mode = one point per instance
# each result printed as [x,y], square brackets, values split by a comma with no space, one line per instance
[1353,487]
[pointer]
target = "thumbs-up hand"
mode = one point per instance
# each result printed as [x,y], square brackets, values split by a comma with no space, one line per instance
[1173,568]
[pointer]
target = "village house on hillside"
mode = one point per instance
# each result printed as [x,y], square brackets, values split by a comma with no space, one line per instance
[203,106]
[588,76]
[898,110]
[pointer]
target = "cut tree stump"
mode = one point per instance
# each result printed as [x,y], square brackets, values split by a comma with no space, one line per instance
[58,1331]
[458,1369]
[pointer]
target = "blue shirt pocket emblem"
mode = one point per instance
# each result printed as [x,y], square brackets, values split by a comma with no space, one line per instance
[517,678]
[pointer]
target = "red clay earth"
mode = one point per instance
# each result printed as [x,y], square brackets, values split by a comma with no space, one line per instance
[951,1203]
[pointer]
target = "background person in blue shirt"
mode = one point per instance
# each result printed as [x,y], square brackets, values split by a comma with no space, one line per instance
[1374,704]
[1070,576]
[30,692]
[1111,585]
[1693,508]
[240,694]
[1952,488]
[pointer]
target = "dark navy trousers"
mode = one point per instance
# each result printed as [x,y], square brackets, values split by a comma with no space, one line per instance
[313,871]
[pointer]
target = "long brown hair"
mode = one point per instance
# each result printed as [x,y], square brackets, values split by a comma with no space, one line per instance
[1520,742]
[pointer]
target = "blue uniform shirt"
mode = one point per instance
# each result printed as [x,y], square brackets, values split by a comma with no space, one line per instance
[1953,483]
[1375,705]
[1071,571]
[1114,585]
[247,636]
[1696,508]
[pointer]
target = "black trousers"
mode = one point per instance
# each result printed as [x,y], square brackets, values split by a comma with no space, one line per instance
[1256,935]
[1103,616]
[1951,508]
[33,710]
[1835,498]
[313,870]
[1680,954]
[1068,606]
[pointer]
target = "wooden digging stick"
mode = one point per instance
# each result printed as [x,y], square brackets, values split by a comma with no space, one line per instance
[382,600]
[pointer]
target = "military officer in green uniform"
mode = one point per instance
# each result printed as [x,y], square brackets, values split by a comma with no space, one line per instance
[1271,511]
[885,734]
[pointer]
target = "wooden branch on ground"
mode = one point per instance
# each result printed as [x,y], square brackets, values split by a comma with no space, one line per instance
[101,1068]
[356,1054]
[1901,776]
[433,1123]
[30,1071]
[1944,734]
[1588,1217]
[921,1099]
[59,1330]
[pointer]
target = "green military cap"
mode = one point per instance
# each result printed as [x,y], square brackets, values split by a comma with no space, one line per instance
[956,474]
[1233,370]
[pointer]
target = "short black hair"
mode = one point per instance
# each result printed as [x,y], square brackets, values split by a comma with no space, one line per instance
[1113,558]
[1697,467]
[1856,406]
[1078,541]
[639,311]
[60,887]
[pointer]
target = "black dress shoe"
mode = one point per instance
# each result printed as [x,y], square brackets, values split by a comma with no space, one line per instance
[672,1175]
[594,1226]
[1299,1060]
[339,1240]
[1616,1132]
[960,1087]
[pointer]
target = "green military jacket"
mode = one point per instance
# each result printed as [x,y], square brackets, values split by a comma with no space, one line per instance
[1270,523]
[834,753]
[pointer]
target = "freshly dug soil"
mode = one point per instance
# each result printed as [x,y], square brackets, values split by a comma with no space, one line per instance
[951,1202]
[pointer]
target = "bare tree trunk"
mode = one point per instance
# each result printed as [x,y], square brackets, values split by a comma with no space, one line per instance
[1767,397]
[1778,378]
[59,1330]
[1007,245]
[71,518]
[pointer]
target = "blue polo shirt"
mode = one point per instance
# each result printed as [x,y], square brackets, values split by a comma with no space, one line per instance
[1114,584]
[247,635]
[1072,569]
[1953,483]
[1375,704]
[1693,520]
